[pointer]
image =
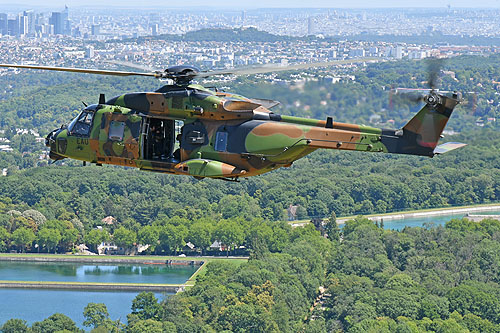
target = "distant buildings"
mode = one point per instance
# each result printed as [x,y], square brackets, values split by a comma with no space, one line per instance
[52,38]
[61,23]
[394,52]
[417,55]
[89,52]
[96,29]
[28,23]
[154,29]
[4,28]
[356,53]
[311,28]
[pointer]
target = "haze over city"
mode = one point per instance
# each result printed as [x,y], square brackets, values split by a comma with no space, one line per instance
[261,4]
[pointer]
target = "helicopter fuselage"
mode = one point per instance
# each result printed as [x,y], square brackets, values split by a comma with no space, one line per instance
[190,130]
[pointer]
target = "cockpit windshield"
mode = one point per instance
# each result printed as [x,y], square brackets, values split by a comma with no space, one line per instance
[82,124]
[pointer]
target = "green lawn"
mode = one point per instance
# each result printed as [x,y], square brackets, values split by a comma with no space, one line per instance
[202,270]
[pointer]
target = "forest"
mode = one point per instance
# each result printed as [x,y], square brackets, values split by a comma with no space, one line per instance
[420,279]
[442,279]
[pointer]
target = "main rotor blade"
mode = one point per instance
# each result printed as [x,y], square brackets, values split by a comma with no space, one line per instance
[274,68]
[81,70]
[130,65]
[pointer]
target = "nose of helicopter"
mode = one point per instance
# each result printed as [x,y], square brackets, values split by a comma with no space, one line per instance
[50,142]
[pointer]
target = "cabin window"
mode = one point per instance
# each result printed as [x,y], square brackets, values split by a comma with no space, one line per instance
[221,141]
[116,129]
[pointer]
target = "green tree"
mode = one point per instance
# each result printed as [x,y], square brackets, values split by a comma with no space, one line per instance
[49,238]
[23,238]
[148,325]
[15,326]
[149,235]
[258,237]
[301,213]
[477,298]
[96,315]
[434,307]
[95,237]
[241,205]
[169,327]
[332,228]
[477,324]
[247,318]
[77,224]
[200,234]
[229,233]
[55,323]
[124,237]
[4,239]
[36,216]
[400,297]
[69,236]
[280,237]
[172,237]
[146,306]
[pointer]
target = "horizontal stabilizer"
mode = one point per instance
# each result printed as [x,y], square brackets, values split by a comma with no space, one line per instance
[267,103]
[448,146]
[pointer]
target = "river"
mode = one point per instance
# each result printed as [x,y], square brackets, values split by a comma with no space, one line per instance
[399,224]
[35,305]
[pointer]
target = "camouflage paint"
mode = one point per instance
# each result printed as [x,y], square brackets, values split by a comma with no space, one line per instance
[256,140]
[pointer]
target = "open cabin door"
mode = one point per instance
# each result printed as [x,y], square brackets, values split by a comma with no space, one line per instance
[158,139]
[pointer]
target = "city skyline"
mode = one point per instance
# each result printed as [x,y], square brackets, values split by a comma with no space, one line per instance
[259,4]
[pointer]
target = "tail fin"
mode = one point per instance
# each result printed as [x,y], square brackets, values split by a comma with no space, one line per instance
[429,123]
[421,134]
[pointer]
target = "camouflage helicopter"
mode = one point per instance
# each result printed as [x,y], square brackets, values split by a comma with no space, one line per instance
[225,135]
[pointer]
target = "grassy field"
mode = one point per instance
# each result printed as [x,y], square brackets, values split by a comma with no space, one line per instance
[405,212]
[201,270]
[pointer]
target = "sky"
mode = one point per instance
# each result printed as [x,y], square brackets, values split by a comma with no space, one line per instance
[257,3]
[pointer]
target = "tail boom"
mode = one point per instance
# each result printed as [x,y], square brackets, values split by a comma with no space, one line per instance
[419,136]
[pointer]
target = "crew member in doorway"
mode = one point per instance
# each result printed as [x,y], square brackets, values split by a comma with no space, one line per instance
[157,133]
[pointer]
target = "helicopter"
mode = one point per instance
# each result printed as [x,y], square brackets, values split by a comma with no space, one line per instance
[225,135]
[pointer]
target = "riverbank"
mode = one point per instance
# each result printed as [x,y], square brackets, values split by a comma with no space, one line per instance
[84,286]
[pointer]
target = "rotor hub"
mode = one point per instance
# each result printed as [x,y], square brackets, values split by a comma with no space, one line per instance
[181,74]
[433,99]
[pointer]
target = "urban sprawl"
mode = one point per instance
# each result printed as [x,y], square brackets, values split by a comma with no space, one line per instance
[93,38]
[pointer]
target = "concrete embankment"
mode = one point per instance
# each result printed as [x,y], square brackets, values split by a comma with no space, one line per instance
[91,286]
[445,211]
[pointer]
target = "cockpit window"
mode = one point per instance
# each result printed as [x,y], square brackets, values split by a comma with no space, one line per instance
[82,124]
